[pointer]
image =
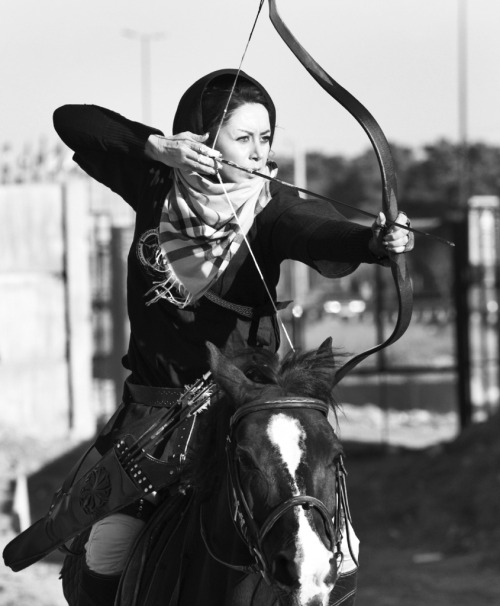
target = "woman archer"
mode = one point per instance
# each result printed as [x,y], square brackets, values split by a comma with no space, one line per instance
[191,275]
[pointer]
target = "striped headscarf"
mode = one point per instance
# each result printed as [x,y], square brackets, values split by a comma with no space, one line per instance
[201,231]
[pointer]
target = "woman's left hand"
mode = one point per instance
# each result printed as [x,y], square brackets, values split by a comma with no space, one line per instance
[394,239]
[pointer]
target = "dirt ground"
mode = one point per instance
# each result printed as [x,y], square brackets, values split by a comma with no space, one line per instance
[428,521]
[39,584]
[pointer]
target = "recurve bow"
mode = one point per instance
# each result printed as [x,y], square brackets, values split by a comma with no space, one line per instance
[382,150]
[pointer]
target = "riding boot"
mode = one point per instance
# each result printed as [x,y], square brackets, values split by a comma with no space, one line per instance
[97,589]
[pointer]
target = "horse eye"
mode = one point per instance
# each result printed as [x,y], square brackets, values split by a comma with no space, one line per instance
[256,376]
[244,458]
[334,462]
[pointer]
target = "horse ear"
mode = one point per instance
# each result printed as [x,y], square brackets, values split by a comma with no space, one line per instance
[236,343]
[325,347]
[230,378]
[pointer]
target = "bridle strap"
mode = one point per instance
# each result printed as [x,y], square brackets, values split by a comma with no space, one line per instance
[278,404]
[306,502]
[243,519]
[246,568]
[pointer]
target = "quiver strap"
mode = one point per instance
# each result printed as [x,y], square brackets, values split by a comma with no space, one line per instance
[104,489]
[137,465]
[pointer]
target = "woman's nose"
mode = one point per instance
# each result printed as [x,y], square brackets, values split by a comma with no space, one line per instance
[257,150]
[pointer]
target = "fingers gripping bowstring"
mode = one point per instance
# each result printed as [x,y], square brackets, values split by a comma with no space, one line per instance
[233,210]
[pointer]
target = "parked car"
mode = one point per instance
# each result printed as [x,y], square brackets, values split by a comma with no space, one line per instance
[349,308]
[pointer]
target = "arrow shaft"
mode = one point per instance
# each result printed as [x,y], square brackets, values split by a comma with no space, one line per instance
[307,192]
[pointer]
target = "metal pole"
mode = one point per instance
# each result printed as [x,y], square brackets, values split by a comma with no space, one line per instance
[461,258]
[146,78]
[462,320]
[381,357]
[299,271]
[145,47]
[463,168]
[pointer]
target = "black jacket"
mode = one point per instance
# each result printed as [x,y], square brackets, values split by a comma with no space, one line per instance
[167,344]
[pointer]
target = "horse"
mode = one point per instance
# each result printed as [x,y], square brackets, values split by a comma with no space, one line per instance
[260,517]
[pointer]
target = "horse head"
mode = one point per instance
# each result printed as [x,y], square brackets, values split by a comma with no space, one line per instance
[284,466]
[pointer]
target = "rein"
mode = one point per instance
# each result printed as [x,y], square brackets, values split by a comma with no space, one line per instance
[246,526]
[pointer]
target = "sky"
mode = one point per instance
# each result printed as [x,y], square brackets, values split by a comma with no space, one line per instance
[400,58]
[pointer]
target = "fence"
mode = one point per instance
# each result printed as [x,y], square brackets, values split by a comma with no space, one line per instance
[45,337]
[64,327]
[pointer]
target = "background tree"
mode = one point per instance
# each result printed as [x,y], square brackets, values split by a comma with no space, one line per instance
[428,181]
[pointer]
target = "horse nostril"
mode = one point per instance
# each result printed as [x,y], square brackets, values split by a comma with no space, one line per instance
[285,571]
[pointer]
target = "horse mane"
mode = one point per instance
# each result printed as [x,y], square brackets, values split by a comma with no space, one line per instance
[307,374]
[301,373]
[310,374]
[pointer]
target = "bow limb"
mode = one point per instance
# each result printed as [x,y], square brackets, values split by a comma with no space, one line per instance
[388,175]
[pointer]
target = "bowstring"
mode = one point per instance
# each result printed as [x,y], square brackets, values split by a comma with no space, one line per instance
[256,263]
[226,195]
[223,117]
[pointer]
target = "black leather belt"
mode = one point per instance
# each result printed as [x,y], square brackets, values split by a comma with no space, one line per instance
[151,396]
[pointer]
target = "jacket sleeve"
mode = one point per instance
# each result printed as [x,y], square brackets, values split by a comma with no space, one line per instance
[315,233]
[107,146]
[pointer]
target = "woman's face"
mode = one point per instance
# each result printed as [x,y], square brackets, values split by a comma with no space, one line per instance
[246,140]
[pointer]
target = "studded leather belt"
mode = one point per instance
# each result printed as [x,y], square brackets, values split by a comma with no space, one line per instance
[151,396]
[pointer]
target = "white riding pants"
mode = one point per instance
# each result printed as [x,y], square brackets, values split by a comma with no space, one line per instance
[110,542]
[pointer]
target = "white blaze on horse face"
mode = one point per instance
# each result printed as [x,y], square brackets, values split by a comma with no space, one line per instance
[286,434]
[312,557]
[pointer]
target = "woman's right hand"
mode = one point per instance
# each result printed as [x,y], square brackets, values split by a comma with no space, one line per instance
[185,151]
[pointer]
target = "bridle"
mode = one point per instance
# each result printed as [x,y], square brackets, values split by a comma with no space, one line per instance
[253,534]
